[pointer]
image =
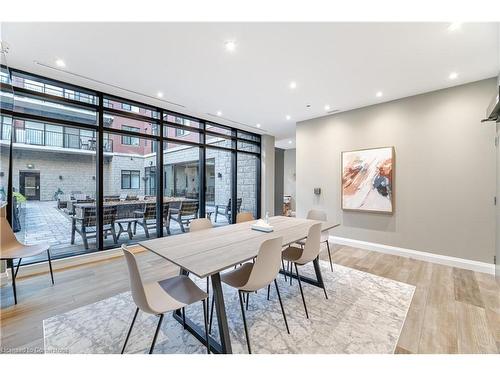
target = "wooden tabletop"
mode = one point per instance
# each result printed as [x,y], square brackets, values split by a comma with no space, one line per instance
[209,251]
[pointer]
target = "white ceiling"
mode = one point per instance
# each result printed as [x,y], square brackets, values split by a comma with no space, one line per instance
[340,64]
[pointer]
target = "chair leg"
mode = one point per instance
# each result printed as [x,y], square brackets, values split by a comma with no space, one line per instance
[211,314]
[301,291]
[205,320]
[145,225]
[84,237]
[73,230]
[135,228]
[290,265]
[156,335]
[244,321]
[268,290]
[283,266]
[281,304]
[113,233]
[130,330]
[184,317]
[50,266]
[10,262]
[329,255]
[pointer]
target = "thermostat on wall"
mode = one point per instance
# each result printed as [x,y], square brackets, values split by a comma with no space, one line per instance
[317,191]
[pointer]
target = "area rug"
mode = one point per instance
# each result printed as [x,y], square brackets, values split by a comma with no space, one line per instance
[364,313]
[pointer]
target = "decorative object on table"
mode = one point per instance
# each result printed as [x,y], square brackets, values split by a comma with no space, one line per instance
[263,226]
[368,180]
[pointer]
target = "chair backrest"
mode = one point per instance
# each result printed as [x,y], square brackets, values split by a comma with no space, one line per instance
[136,284]
[80,197]
[200,224]
[141,197]
[89,215]
[189,208]
[312,245]
[267,265]
[123,196]
[8,239]
[241,217]
[317,215]
[150,211]
[64,197]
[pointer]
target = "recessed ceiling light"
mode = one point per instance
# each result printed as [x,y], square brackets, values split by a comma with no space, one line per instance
[453,75]
[258,125]
[288,117]
[219,113]
[230,45]
[293,85]
[454,26]
[379,94]
[327,107]
[290,142]
[160,94]
[60,63]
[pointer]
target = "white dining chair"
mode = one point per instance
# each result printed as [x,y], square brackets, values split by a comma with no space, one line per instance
[300,256]
[321,216]
[251,277]
[162,296]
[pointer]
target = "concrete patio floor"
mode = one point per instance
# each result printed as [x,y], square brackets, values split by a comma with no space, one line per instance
[43,222]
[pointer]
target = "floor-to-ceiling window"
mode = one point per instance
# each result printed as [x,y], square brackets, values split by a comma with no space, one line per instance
[248,169]
[84,167]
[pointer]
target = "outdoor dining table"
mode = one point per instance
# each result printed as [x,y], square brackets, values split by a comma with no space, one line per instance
[206,253]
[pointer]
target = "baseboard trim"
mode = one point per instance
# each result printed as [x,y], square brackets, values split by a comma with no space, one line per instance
[472,265]
[74,261]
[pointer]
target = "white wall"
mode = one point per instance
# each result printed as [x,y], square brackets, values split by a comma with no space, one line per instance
[444,173]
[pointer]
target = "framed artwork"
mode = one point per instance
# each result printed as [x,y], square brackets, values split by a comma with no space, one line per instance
[368,180]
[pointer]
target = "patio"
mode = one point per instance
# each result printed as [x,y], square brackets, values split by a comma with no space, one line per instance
[43,222]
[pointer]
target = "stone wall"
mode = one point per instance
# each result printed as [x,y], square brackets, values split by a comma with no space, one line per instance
[77,171]
[58,170]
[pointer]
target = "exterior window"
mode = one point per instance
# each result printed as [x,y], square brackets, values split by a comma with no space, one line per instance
[128,140]
[131,179]
[126,107]
[181,132]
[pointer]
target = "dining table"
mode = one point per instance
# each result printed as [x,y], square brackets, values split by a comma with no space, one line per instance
[208,252]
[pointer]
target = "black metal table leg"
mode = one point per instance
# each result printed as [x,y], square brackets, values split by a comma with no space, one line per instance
[198,332]
[319,277]
[220,309]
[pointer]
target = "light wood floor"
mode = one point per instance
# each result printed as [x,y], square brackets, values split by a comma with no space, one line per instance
[453,310]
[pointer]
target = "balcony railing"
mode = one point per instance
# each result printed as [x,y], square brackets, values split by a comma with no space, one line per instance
[39,137]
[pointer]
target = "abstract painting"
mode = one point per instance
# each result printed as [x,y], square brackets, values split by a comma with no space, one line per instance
[368,180]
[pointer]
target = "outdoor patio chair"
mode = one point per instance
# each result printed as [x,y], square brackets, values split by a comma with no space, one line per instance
[84,222]
[123,197]
[225,210]
[187,211]
[62,201]
[148,213]
[80,197]
[131,197]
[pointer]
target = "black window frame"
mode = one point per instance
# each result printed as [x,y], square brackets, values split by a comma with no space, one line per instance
[124,172]
[127,139]
[102,136]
